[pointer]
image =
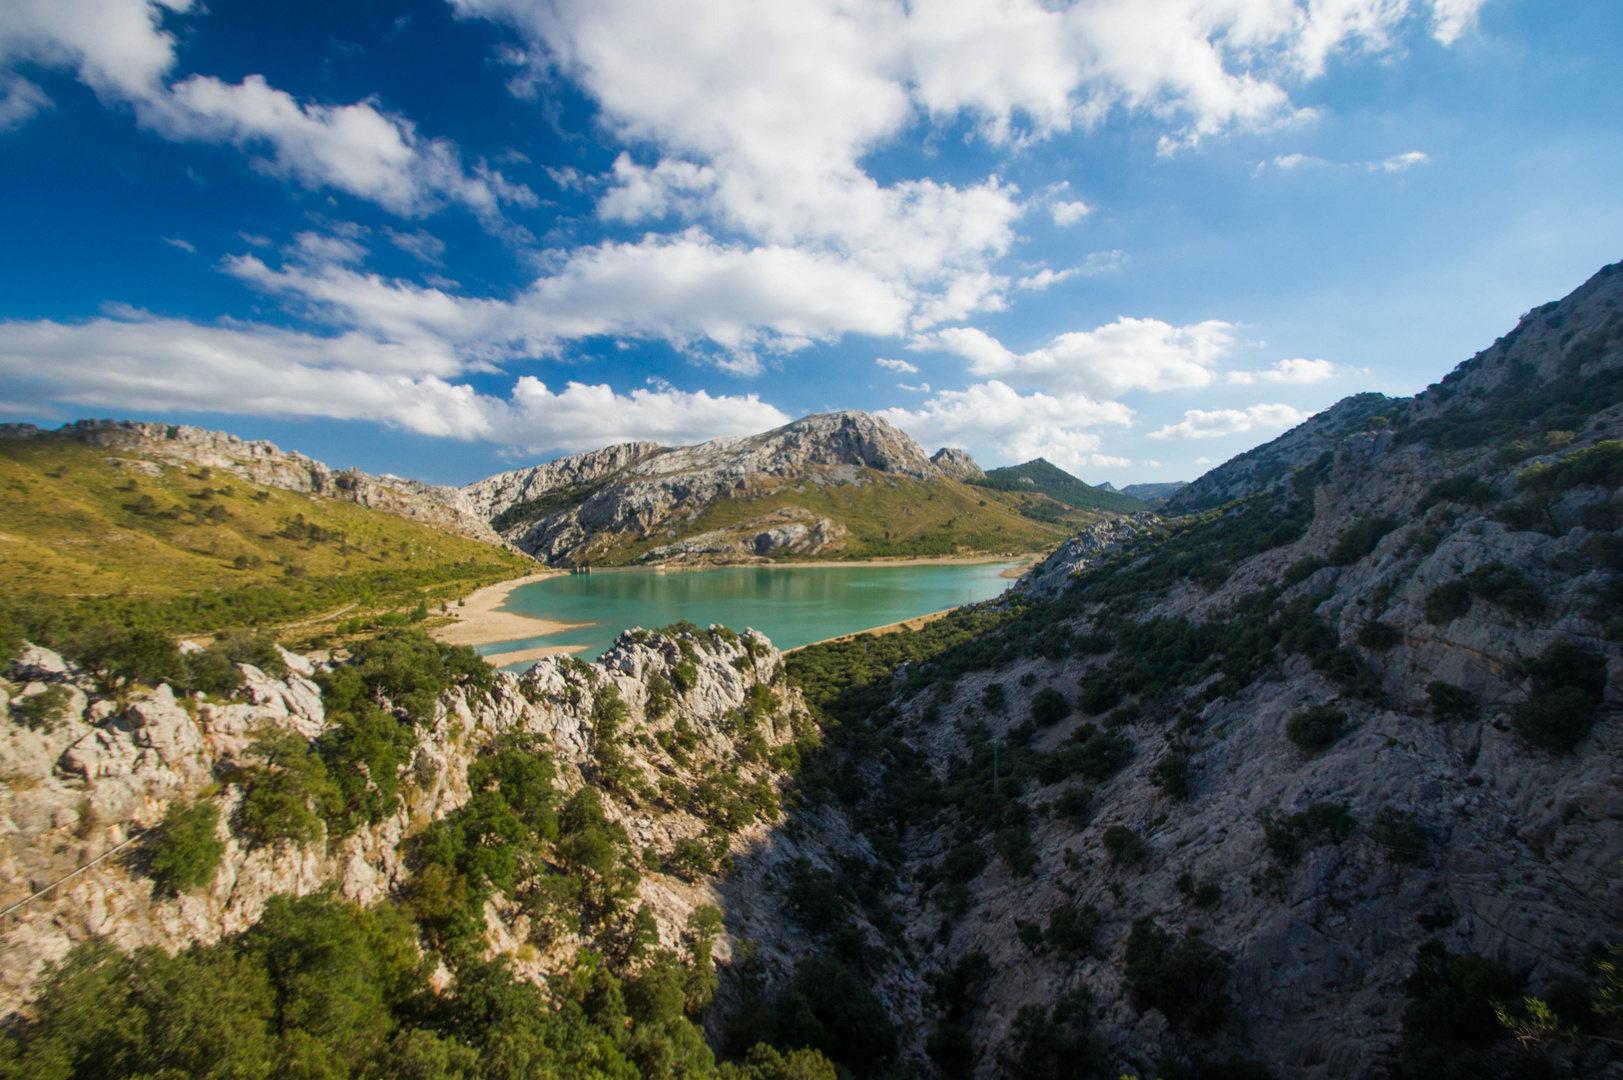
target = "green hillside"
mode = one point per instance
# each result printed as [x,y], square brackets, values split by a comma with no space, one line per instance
[86,535]
[1045,478]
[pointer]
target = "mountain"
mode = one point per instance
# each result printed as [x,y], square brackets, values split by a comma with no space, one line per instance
[1044,478]
[179,528]
[1153,495]
[834,484]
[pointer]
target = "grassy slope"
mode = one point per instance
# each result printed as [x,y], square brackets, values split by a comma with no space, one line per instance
[1059,485]
[74,538]
[890,515]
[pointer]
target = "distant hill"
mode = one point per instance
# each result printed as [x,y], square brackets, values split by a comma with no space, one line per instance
[1043,477]
[1154,495]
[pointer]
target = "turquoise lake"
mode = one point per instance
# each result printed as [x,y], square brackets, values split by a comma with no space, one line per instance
[792,605]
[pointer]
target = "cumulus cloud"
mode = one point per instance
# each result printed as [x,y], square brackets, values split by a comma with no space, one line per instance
[1045,277]
[899,366]
[1296,372]
[142,362]
[1204,424]
[20,99]
[1399,162]
[1069,213]
[688,289]
[1015,426]
[119,49]
[1128,354]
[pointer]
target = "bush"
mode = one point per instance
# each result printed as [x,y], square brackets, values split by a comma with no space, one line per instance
[1507,587]
[763,1062]
[1124,845]
[685,676]
[1072,930]
[1302,569]
[1049,707]
[1360,540]
[120,655]
[1171,775]
[1100,693]
[1568,684]
[44,711]
[1463,488]
[1186,979]
[1057,1043]
[287,795]
[186,850]
[1316,729]
[1401,834]
[1202,894]
[1379,636]
[364,751]
[1450,1018]
[1097,755]
[1447,602]
[1322,822]
[1076,805]
[1450,703]
[992,698]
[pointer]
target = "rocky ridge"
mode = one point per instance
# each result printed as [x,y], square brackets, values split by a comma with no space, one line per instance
[261,462]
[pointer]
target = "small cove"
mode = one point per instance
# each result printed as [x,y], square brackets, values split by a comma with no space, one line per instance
[792,605]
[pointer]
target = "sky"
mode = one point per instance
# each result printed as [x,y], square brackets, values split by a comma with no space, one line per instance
[445,238]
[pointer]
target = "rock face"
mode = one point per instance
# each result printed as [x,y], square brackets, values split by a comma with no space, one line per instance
[957,464]
[639,489]
[1054,574]
[261,462]
[107,770]
[1518,854]
[790,531]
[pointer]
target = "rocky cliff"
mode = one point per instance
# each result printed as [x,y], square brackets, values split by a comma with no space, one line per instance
[601,505]
[261,462]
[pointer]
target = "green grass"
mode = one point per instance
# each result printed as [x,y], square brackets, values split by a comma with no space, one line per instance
[1042,477]
[886,516]
[85,538]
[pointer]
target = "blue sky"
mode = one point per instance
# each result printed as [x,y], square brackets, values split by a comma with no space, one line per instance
[443,239]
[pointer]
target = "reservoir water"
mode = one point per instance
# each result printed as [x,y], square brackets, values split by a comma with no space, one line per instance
[792,605]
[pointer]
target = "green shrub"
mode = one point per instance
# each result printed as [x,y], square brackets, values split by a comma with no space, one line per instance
[1097,755]
[1379,636]
[1360,540]
[691,860]
[993,698]
[763,1062]
[44,711]
[1524,517]
[828,1009]
[1401,834]
[1073,930]
[1450,1018]
[1100,693]
[1302,569]
[685,676]
[286,796]
[1013,843]
[1056,1043]
[1450,703]
[1049,707]
[1463,488]
[1186,979]
[1320,823]
[364,751]
[1203,894]
[1568,684]
[185,851]
[1171,775]
[1315,729]
[1124,845]
[1447,602]
[1507,587]
[1599,464]
[1076,805]
[120,655]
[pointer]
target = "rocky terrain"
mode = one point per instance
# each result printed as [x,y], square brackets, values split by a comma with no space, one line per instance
[90,786]
[587,507]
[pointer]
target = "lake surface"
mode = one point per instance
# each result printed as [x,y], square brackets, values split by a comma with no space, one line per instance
[792,605]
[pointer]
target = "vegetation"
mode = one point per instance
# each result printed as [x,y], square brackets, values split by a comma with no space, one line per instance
[1042,478]
[1401,834]
[1450,703]
[94,543]
[186,850]
[43,711]
[1568,684]
[1449,1024]
[1321,823]
[1187,978]
[1315,729]
[1056,1042]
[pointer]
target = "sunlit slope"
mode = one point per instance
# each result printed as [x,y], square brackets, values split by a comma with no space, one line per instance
[98,532]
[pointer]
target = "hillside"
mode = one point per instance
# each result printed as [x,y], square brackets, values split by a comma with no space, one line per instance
[835,485]
[1044,478]
[100,523]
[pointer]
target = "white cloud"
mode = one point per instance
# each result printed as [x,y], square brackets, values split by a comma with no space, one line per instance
[1017,427]
[20,100]
[687,289]
[1128,354]
[141,362]
[421,245]
[1069,213]
[1203,424]
[1295,372]
[898,366]
[119,49]
[1102,262]
[1298,161]
[180,242]
[1399,162]
[1045,277]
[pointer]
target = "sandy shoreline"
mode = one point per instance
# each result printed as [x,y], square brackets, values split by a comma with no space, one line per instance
[479,623]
